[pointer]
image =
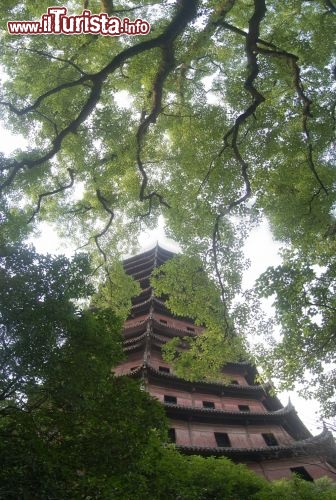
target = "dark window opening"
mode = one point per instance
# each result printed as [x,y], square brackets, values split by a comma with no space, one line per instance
[208,404]
[190,329]
[234,382]
[163,321]
[270,439]
[222,439]
[164,369]
[170,399]
[244,408]
[302,473]
[172,435]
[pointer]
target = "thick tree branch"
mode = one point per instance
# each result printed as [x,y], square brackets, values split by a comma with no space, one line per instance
[133,9]
[80,209]
[43,97]
[9,390]
[310,203]
[167,64]
[57,143]
[292,59]
[52,123]
[251,54]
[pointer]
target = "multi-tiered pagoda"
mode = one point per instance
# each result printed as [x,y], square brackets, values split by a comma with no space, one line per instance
[241,421]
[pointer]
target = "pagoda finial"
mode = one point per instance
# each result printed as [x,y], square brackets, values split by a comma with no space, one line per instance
[156,251]
[290,405]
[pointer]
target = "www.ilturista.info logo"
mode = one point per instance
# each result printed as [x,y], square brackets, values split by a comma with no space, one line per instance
[57,22]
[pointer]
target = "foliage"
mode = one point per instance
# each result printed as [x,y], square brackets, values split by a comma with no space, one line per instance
[195,478]
[296,488]
[305,307]
[190,293]
[117,291]
[36,294]
[227,116]
[69,428]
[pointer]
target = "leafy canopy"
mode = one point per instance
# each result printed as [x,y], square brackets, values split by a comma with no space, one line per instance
[68,427]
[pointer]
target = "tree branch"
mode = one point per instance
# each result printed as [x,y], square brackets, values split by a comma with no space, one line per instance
[51,56]
[306,105]
[50,193]
[110,211]
[252,64]
[185,14]
[166,66]
[330,5]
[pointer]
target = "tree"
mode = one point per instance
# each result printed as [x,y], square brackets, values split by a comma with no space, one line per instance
[36,312]
[305,307]
[69,428]
[227,117]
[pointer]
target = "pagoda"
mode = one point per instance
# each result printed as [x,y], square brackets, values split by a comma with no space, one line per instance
[241,420]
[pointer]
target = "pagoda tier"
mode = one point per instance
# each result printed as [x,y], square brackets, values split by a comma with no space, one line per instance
[239,419]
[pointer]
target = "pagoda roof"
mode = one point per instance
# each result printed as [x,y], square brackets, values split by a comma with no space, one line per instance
[200,385]
[138,327]
[287,417]
[323,444]
[240,366]
[132,267]
[144,282]
[158,306]
[143,295]
[216,414]
[134,331]
[134,340]
[142,273]
[136,346]
[137,342]
[139,256]
[173,331]
[141,306]
[169,329]
[157,251]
